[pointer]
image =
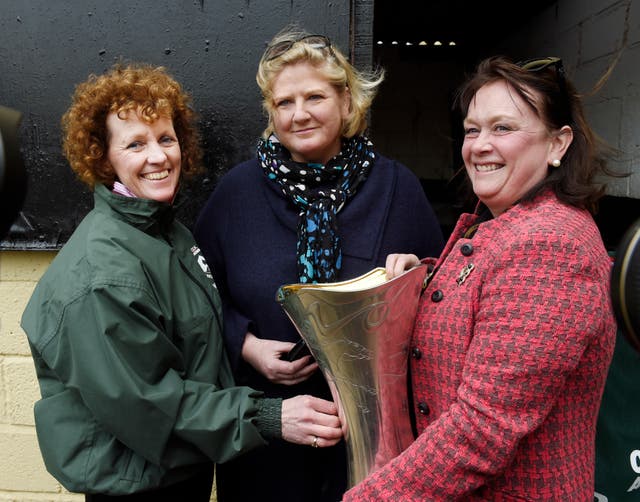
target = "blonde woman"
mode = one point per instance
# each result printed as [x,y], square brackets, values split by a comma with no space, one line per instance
[316,204]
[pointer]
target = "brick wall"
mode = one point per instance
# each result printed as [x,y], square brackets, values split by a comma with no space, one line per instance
[588,36]
[23,477]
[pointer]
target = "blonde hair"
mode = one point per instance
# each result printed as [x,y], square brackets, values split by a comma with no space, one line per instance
[332,64]
[149,91]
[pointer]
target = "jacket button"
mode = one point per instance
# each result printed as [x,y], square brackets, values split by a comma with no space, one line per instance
[466,249]
[415,352]
[424,408]
[437,296]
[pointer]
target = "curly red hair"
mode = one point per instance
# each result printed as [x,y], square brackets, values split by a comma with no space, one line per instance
[149,91]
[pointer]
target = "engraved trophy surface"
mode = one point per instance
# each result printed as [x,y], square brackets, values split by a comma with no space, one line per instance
[359,331]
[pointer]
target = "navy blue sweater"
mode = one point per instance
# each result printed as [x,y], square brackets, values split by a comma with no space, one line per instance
[247,233]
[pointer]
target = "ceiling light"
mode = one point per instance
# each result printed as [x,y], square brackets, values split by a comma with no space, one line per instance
[437,42]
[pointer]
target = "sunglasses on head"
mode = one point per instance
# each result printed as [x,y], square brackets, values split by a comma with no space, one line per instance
[314,41]
[540,64]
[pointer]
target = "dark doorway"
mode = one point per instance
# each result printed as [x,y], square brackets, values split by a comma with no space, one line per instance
[426,48]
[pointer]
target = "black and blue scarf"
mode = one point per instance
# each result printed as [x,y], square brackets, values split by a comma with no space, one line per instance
[320,192]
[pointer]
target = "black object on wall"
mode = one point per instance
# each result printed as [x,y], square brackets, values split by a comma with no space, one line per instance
[211,46]
[625,285]
[13,178]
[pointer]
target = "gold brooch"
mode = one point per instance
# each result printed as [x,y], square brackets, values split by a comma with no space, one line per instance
[464,273]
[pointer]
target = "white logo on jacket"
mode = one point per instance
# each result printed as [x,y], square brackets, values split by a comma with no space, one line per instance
[202,262]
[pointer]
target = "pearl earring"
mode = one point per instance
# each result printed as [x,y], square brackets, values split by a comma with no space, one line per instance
[555,162]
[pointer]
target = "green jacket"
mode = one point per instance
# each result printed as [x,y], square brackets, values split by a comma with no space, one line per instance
[124,328]
[618,429]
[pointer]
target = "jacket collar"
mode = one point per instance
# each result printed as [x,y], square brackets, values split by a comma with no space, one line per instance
[145,214]
[482,218]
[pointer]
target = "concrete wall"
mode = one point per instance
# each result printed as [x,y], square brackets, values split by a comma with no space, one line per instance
[589,37]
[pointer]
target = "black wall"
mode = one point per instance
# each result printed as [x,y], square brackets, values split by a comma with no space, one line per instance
[211,46]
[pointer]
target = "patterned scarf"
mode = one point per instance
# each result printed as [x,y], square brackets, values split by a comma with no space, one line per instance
[319,192]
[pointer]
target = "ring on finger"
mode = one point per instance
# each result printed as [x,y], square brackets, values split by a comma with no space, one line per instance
[315,442]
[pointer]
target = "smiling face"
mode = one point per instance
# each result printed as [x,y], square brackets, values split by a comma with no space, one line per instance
[308,113]
[507,149]
[145,157]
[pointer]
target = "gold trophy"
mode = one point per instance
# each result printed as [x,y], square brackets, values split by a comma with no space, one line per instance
[358,331]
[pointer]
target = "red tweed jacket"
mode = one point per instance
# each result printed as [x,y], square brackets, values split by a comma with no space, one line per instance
[510,351]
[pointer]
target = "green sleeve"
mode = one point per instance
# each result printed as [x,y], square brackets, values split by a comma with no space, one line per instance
[109,345]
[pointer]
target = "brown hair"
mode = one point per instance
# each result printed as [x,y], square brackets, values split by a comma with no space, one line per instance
[554,99]
[149,91]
